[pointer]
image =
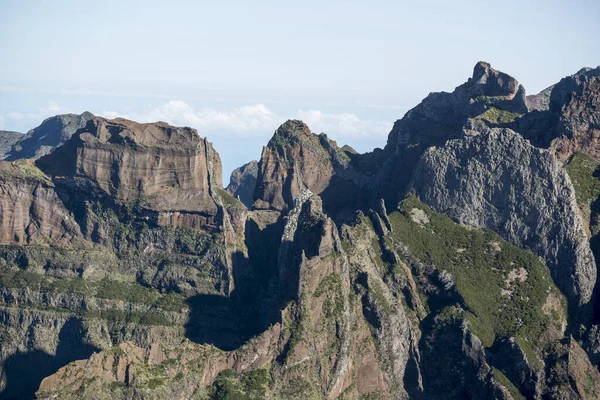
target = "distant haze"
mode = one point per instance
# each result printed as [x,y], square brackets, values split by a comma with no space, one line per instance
[237,70]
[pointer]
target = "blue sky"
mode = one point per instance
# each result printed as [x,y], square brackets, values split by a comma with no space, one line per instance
[236,70]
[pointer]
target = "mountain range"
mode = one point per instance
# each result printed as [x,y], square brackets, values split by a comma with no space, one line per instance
[458,262]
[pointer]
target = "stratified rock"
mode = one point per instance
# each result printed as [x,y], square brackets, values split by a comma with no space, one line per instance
[53,132]
[30,210]
[165,169]
[7,140]
[243,181]
[499,181]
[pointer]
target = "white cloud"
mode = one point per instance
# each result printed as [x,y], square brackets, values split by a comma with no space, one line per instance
[23,121]
[254,120]
[243,120]
[344,125]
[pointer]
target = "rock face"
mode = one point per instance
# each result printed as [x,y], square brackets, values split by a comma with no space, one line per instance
[499,181]
[7,140]
[126,224]
[243,181]
[441,117]
[30,211]
[52,133]
[540,101]
[569,121]
[168,170]
[296,159]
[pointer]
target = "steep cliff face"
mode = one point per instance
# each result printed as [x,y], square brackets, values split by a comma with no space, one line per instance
[30,210]
[127,233]
[52,133]
[243,182]
[499,181]
[163,167]
[127,271]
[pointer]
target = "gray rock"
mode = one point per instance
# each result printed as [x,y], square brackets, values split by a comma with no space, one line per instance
[499,181]
[540,101]
[53,132]
[243,181]
[7,140]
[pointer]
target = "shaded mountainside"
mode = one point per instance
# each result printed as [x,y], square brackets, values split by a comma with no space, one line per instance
[7,140]
[455,263]
[52,133]
[242,183]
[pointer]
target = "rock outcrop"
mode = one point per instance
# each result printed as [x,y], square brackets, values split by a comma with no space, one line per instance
[499,181]
[169,171]
[243,182]
[52,133]
[30,210]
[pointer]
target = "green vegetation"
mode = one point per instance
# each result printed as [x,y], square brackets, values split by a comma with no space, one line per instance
[298,388]
[24,169]
[30,280]
[497,115]
[106,289]
[585,175]
[230,385]
[502,286]
[331,286]
[504,381]
[228,200]
[124,291]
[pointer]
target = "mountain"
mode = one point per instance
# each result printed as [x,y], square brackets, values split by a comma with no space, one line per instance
[53,132]
[7,141]
[242,183]
[458,262]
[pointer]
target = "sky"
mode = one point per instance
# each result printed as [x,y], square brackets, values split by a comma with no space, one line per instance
[236,70]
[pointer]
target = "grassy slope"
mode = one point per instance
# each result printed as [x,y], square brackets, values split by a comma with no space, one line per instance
[479,272]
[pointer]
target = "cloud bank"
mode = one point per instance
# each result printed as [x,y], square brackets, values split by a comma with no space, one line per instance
[255,120]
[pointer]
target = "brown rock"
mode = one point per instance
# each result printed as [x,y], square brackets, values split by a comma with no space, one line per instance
[30,210]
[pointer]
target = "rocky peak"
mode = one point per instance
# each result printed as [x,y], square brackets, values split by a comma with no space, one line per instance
[51,133]
[499,181]
[297,159]
[486,81]
[489,95]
